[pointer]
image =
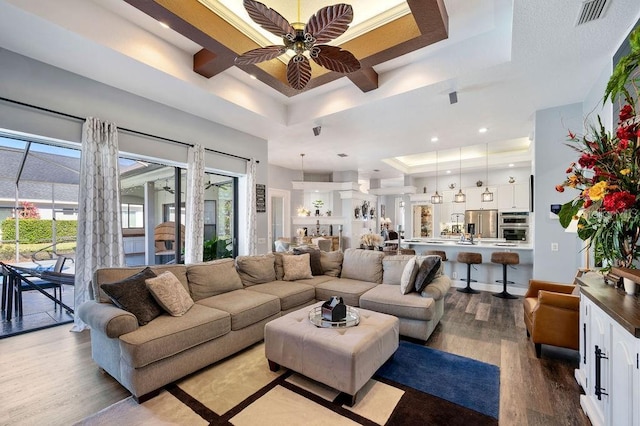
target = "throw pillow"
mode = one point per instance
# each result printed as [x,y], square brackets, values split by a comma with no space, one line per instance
[170,294]
[316,265]
[256,269]
[132,294]
[408,277]
[393,266]
[331,262]
[296,267]
[427,272]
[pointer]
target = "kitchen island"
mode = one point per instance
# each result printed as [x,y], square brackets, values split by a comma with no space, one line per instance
[486,273]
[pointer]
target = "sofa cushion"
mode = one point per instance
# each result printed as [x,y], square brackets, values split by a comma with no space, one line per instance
[132,295]
[296,267]
[363,265]
[331,262]
[427,272]
[350,290]
[166,335]
[314,258]
[170,294]
[246,307]
[386,299]
[408,277]
[256,269]
[393,266]
[110,275]
[316,280]
[211,278]
[291,294]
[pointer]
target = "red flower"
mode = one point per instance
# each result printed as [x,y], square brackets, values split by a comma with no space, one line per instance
[559,188]
[587,161]
[618,201]
[624,144]
[587,204]
[572,135]
[625,132]
[625,113]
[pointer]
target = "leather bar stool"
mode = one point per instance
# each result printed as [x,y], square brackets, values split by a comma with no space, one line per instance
[440,253]
[505,258]
[470,259]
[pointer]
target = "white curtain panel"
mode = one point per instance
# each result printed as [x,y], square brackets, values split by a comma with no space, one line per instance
[99,216]
[252,232]
[194,228]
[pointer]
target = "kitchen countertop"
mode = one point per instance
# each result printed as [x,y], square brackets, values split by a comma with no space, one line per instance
[491,243]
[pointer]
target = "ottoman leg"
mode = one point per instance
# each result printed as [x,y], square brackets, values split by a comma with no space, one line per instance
[348,400]
[273,366]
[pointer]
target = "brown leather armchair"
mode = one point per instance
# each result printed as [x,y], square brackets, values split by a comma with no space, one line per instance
[552,315]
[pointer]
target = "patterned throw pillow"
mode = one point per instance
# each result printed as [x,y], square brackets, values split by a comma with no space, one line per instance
[427,272]
[296,267]
[132,295]
[170,294]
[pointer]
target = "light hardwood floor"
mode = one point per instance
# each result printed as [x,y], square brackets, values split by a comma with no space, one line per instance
[48,377]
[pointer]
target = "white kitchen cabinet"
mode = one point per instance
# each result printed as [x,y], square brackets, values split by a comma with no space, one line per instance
[513,196]
[474,199]
[609,360]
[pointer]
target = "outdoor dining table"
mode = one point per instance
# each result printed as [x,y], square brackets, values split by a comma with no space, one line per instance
[15,278]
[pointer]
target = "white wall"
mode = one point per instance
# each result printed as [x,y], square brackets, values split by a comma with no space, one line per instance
[551,159]
[32,82]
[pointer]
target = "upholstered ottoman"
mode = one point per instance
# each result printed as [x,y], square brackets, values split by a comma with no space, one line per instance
[343,358]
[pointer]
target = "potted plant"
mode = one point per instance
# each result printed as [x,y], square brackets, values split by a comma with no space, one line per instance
[317,204]
[607,173]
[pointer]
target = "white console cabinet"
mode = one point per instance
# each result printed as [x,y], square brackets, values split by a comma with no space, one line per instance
[609,369]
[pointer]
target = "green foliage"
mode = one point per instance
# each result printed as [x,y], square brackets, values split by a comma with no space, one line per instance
[33,231]
[216,248]
[625,72]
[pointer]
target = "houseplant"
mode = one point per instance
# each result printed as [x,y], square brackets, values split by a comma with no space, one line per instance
[607,173]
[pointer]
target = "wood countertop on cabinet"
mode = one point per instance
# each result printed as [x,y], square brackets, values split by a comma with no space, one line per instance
[623,308]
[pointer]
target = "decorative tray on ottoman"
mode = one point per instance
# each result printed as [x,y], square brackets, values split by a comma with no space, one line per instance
[352,319]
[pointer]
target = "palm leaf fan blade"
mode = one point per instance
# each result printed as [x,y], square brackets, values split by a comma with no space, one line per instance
[330,22]
[268,18]
[298,72]
[260,54]
[336,59]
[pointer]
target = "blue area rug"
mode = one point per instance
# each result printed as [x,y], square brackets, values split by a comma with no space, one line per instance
[463,381]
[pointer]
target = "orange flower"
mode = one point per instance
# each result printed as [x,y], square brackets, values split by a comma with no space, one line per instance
[559,188]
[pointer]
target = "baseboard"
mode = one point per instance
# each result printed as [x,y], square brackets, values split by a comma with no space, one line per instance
[490,287]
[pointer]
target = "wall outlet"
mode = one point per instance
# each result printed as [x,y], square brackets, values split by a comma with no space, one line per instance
[454,275]
[554,246]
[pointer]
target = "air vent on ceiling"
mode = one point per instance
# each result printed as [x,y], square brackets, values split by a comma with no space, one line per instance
[591,10]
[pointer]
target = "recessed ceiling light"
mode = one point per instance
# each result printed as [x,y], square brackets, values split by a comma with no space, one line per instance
[448,172]
[483,130]
[163,25]
[253,76]
[511,164]
[434,139]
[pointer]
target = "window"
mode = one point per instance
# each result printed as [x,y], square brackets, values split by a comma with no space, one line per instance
[132,216]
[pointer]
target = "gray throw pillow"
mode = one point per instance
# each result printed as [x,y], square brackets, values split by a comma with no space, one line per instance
[170,294]
[314,253]
[427,272]
[132,295]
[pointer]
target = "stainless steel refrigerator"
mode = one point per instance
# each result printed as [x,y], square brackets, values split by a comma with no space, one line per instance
[485,223]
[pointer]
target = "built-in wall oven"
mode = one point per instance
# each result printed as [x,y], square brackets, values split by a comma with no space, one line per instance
[514,226]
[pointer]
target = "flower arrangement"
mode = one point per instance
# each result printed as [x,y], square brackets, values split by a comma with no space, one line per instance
[303,212]
[607,174]
[371,240]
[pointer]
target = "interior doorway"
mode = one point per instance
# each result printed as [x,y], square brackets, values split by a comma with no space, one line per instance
[279,215]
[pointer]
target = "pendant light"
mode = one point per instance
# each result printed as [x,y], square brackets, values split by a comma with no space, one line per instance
[436,198]
[302,166]
[460,197]
[487,196]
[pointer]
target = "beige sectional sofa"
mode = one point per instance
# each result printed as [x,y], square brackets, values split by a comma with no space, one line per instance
[235,298]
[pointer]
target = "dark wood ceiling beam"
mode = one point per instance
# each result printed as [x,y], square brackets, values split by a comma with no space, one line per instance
[431,17]
[366,79]
[207,64]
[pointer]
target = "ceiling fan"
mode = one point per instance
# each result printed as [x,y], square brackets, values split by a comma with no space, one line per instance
[327,24]
[167,188]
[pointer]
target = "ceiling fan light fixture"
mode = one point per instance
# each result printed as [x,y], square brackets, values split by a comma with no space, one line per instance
[327,24]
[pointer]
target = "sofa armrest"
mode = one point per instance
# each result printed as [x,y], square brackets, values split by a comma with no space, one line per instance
[535,286]
[107,318]
[437,288]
